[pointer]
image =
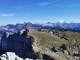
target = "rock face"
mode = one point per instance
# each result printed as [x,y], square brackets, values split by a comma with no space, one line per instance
[18,44]
[11,56]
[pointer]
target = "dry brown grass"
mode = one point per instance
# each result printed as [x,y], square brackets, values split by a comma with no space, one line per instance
[45,39]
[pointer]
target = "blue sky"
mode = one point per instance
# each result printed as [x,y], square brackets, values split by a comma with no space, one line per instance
[39,11]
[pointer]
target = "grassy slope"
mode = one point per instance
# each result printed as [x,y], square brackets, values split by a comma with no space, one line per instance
[45,40]
[72,36]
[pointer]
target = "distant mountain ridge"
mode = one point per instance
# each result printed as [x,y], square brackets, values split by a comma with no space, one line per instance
[17,27]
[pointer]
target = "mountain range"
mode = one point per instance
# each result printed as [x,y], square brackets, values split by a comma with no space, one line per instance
[65,26]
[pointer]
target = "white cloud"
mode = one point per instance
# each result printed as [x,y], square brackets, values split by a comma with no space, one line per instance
[48,3]
[9,14]
[44,3]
